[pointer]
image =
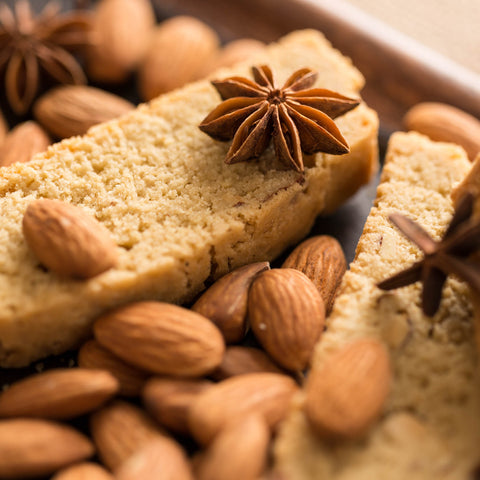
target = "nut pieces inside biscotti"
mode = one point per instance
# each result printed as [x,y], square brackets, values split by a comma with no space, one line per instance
[67,240]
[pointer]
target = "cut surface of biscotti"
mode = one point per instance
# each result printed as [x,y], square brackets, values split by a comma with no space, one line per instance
[178,214]
[430,428]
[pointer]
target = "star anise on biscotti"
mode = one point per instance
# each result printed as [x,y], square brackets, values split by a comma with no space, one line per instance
[441,258]
[297,117]
[32,46]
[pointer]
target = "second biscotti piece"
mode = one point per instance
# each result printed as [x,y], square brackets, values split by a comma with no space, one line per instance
[178,214]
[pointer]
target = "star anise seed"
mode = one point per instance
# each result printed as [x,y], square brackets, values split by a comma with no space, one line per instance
[298,117]
[31,46]
[449,256]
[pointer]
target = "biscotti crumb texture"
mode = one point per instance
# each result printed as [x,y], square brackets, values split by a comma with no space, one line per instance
[178,215]
[431,427]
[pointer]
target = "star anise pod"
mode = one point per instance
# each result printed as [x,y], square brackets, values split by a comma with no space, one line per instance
[442,258]
[297,117]
[31,46]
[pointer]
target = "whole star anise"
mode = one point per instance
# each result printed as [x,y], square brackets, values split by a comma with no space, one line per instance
[297,117]
[31,46]
[447,256]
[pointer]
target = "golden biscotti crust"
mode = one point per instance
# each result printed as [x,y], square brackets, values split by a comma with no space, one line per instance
[178,214]
[431,426]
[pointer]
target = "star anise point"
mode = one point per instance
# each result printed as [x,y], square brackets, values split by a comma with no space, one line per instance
[298,118]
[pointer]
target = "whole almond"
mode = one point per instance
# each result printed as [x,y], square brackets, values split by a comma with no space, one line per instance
[234,52]
[3,128]
[83,471]
[121,32]
[162,338]
[179,49]
[168,400]
[225,302]
[72,109]
[445,123]
[161,459]
[268,394]
[287,315]
[119,430]
[238,452]
[67,240]
[239,360]
[34,448]
[61,393]
[346,394]
[131,379]
[322,260]
[22,143]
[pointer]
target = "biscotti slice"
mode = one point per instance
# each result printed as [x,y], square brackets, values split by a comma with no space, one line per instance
[178,214]
[430,429]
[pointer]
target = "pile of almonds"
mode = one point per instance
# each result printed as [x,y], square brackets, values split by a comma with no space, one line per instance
[156,377]
[126,41]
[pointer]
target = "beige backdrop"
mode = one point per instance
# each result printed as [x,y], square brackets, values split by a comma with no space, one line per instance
[452,27]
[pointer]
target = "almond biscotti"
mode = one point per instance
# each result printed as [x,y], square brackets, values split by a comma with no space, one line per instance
[178,214]
[430,428]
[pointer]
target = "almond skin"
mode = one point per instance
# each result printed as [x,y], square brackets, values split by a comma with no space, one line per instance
[67,240]
[72,109]
[22,143]
[62,393]
[179,49]
[239,360]
[162,338]
[287,316]
[34,448]
[238,452]
[3,128]
[121,31]
[225,302]
[119,430]
[445,123]
[268,394]
[346,394]
[161,459]
[131,379]
[168,400]
[322,260]
[83,471]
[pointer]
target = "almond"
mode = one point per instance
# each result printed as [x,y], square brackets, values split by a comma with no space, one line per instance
[119,430]
[445,123]
[268,394]
[287,315]
[121,31]
[22,143]
[83,471]
[33,448]
[239,360]
[67,240]
[131,379]
[225,302]
[179,49]
[346,394]
[161,459]
[322,260]
[72,109]
[234,52]
[168,400]
[3,129]
[61,393]
[162,338]
[238,452]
